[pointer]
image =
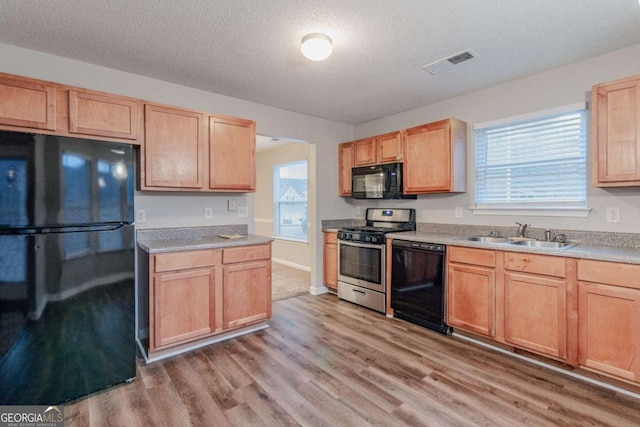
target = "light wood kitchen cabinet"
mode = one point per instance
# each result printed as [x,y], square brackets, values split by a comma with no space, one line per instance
[330,260]
[92,113]
[174,147]
[27,103]
[198,295]
[390,147]
[365,152]
[616,133]
[608,318]
[232,154]
[535,303]
[378,149]
[435,158]
[182,301]
[184,307]
[246,290]
[345,164]
[471,290]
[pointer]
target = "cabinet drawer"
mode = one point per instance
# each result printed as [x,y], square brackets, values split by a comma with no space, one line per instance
[246,253]
[187,260]
[472,256]
[611,273]
[537,264]
[331,237]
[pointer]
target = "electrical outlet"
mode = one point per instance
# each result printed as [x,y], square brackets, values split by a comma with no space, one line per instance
[357,211]
[208,213]
[613,214]
[458,212]
[243,212]
[231,205]
[141,216]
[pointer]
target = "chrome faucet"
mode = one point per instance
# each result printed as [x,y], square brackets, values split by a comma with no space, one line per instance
[522,228]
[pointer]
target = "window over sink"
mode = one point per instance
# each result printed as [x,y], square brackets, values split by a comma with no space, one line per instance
[533,164]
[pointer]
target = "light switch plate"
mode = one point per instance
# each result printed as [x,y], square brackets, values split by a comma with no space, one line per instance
[141,215]
[231,205]
[243,212]
[458,212]
[208,213]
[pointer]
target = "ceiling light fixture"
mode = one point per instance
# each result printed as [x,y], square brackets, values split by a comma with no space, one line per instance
[316,46]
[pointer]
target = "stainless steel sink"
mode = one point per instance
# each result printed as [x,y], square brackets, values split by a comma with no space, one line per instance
[543,244]
[487,239]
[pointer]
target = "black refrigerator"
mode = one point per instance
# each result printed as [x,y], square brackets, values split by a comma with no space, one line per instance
[67,277]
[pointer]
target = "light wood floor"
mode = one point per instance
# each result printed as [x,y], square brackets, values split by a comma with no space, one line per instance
[328,362]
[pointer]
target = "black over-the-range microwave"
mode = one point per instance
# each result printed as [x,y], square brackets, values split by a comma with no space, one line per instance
[378,182]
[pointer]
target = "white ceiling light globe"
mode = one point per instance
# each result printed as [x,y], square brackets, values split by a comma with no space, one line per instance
[316,47]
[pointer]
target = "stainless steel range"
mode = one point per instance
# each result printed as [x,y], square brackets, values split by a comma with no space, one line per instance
[362,256]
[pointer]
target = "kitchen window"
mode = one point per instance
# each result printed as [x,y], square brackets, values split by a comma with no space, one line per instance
[534,164]
[290,200]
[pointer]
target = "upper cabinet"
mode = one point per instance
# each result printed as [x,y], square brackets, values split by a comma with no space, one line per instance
[178,156]
[27,103]
[385,148]
[616,133]
[232,154]
[174,147]
[345,164]
[92,113]
[435,157]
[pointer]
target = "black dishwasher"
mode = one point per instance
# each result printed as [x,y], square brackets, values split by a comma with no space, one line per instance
[418,284]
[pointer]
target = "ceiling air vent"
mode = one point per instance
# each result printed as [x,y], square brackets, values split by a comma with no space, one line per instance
[444,64]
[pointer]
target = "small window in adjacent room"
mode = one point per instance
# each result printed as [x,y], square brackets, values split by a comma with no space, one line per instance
[290,200]
[535,164]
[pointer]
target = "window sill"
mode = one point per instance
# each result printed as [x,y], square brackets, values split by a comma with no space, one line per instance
[560,212]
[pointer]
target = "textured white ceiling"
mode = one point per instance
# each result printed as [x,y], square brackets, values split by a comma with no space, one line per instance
[249,49]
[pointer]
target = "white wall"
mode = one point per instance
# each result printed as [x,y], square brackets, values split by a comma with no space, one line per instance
[187,209]
[294,253]
[558,87]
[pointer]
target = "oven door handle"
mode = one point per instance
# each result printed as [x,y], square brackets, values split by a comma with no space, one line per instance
[360,244]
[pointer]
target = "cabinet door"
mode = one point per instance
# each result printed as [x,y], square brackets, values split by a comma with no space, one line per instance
[616,130]
[427,166]
[246,293]
[365,152]
[471,298]
[232,154]
[345,160]
[608,329]
[174,147]
[330,260]
[27,104]
[104,115]
[389,147]
[183,306]
[536,313]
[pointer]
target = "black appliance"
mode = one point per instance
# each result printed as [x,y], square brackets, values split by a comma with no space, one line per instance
[418,283]
[66,267]
[362,256]
[378,182]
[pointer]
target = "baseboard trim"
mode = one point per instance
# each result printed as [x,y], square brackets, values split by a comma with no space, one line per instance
[291,264]
[548,366]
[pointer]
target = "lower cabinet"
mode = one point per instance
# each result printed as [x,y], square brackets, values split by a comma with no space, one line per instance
[194,295]
[184,305]
[471,290]
[330,260]
[609,313]
[246,293]
[535,303]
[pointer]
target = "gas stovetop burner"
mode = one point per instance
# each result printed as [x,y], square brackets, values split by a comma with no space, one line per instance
[379,223]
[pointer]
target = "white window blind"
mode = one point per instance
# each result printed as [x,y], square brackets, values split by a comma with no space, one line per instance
[536,163]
